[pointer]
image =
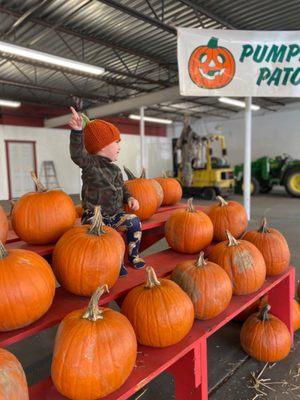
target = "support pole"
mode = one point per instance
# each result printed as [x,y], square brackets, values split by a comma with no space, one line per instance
[142,137]
[247,157]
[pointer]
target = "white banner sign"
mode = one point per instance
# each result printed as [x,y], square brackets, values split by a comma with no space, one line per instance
[238,63]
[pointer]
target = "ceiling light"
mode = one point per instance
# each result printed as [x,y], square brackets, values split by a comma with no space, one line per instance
[152,119]
[237,103]
[9,103]
[24,52]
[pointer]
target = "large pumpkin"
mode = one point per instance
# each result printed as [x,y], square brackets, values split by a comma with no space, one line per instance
[88,256]
[143,191]
[3,226]
[265,337]
[243,262]
[95,352]
[27,287]
[172,190]
[13,385]
[273,247]
[207,285]
[160,312]
[211,66]
[228,215]
[42,217]
[189,231]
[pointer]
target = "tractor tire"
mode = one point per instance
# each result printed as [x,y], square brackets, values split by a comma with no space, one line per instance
[292,181]
[255,187]
[266,189]
[208,193]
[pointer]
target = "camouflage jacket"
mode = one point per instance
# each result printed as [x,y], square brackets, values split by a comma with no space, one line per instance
[102,180]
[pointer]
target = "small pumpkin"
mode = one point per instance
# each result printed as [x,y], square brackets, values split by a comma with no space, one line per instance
[211,66]
[88,256]
[171,188]
[27,288]
[3,226]
[207,285]
[95,351]
[296,315]
[143,191]
[273,246]
[160,312]
[158,189]
[13,385]
[243,262]
[42,217]
[228,215]
[189,231]
[265,337]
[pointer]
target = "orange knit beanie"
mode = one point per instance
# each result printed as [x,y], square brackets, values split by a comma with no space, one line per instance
[98,134]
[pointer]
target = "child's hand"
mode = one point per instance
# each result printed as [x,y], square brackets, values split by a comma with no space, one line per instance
[133,203]
[76,120]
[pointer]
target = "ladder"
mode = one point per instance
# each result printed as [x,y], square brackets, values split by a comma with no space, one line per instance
[48,175]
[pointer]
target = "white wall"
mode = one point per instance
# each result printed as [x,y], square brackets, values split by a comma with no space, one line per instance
[53,144]
[273,133]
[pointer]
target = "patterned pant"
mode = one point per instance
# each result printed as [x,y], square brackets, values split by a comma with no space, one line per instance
[128,223]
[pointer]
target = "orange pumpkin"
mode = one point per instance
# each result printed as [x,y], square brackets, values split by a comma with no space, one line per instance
[243,262]
[189,231]
[13,385]
[211,66]
[42,217]
[160,312]
[172,190]
[27,288]
[95,352]
[273,247]
[79,210]
[296,315]
[158,189]
[265,337]
[207,285]
[143,191]
[3,226]
[87,256]
[298,289]
[228,215]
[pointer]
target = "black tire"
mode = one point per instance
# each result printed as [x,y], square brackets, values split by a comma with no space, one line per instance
[255,187]
[208,193]
[288,179]
[266,189]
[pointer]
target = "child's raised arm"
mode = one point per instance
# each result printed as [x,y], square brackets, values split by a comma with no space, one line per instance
[77,151]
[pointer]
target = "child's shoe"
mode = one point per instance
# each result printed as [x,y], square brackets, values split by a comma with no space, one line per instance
[137,262]
[123,271]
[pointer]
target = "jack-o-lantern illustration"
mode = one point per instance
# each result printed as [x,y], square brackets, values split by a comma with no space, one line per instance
[211,66]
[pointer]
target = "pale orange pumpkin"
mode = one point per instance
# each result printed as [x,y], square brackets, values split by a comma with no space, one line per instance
[43,217]
[228,215]
[95,352]
[27,288]
[144,192]
[273,246]
[3,226]
[189,231]
[13,385]
[207,285]
[171,188]
[160,312]
[243,262]
[88,256]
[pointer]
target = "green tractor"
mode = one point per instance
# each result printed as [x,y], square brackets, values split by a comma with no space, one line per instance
[267,172]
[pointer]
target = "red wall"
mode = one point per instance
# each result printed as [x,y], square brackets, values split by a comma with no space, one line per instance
[28,115]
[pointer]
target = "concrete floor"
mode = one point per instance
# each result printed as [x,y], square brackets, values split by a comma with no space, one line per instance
[229,366]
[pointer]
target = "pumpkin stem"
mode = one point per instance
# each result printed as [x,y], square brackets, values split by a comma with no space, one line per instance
[129,174]
[3,251]
[96,228]
[231,240]
[201,261]
[85,120]
[222,201]
[263,314]
[94,312]
[152,280]
[40,187]
[263,228]
[190,206]
[143,174]
[212,43]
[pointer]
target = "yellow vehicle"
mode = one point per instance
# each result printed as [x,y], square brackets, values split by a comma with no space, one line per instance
[212,176]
